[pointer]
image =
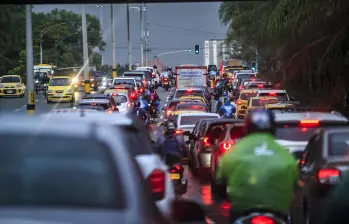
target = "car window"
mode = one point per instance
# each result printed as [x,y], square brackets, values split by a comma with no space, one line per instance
[196,128]
[57,172]
[192,120]
[244,76]
[338,144]
[310,154]
[202,130]
[124,81]
[262,102]
[223,134]
[120,99]
[236,132]
[10,79]
[192,107]
[135,144]
[96,106]
[215,130]
[246,96]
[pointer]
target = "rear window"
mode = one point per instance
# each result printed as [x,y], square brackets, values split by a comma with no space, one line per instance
[124,81]
[136,143]
[293,132]
[120,99]
[136,76]
[236,132]
[338,144]
[262,102]
[181,93]
[192,120]
[97,106]
[247,96]
[57,172]
[280,96]
[192,107]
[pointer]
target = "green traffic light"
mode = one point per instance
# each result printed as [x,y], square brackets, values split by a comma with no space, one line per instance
[196,49]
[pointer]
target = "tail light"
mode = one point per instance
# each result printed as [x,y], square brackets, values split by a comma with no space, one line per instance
[262,220]
[168,113]
[157,184]
[129,105]
[179,131]
[226,145]
[239,102]
[153,75]
[206,141]
[141,90]
[175,169]
[328,175]
[114,94]
[166,79]
[189,90]
[272,94]
[309,123]
[260,86]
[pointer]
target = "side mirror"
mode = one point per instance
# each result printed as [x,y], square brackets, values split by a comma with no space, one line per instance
[186,133]
[184,211]
[292,98]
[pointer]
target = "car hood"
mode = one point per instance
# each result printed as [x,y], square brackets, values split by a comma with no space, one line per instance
[293,146]
[10,84]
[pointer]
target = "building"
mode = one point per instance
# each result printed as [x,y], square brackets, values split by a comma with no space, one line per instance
[215,50]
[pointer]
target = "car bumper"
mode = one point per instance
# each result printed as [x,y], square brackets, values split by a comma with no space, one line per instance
[59,98]
[12,92]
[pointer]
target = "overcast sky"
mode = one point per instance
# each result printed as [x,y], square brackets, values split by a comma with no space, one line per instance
[172,27]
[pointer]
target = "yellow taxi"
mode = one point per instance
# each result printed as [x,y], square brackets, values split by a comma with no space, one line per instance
[259,102]
[60,89]
[12,85]
[279,106]
[196,98]
[242,102]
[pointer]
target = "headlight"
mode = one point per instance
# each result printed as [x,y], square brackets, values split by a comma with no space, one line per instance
[75,80]
[149,105]
[69,91]
[36,81]
[1,86]
[50,91]
[18,85]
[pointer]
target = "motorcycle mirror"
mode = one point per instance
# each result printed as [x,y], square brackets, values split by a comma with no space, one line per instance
[187,211]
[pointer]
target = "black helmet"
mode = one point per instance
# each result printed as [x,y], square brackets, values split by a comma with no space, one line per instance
[151,88]
[155,67]
[137,104]
[170,128]
[260,120]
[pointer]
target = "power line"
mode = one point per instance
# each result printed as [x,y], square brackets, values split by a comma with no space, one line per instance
[181,28]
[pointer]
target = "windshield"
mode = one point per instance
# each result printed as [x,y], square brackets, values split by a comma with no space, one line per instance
[124,82]
[120,99]
[192,120]
[181,93]
[338,144]
[57,172]
[236,132]
[279,96]
[192,107]
[10,79]
[247,96]
[59,82]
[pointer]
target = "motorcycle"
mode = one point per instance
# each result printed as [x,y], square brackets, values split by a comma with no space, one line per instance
[143,118]
[37,86]
[152,110]
[176,169]
[166,84]
[261,218]
[44,89]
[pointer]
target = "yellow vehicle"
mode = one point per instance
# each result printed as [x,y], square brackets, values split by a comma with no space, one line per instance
[260,102]
[202,99]
[242,102]
[12,85]
[60,89]
[279,106]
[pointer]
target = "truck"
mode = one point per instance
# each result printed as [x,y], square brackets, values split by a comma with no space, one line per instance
[191,75]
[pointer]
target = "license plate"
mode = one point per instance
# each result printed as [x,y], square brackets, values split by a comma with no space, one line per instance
[175,176]
[59,94]
[9,91]
[165,83]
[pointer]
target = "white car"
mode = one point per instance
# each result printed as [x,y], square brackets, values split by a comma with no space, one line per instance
[187,121]
[131,134]
[124,100]
[125,81]
[154,73]
[293,130]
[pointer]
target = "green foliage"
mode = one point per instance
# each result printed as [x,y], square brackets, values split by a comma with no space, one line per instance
[304,45]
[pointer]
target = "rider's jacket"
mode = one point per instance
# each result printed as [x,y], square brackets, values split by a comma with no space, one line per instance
[227,109]
[259,173]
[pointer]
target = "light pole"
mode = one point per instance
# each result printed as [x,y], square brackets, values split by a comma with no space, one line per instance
[141,9]
[85,51]
[42,33]
[129,38]
[146,36]
[101,20]
[172,52]
[113,39]
[29,49]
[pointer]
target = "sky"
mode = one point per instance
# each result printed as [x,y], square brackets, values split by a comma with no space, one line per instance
[172,27]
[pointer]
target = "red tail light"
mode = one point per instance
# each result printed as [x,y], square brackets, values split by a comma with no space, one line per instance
[168,112]
[179,131]
[189,90]
[260,86]
[262,220]
[141,90]
[153,75]
[272,93]
[309,123]
[114,94]
[328,174]
[166,79]
[206,142]
[176,168]
[239,102]
[157,184]
[226,145]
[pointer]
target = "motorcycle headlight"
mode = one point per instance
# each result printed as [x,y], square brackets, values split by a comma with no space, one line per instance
[149,104]
[50,91]
[36,81]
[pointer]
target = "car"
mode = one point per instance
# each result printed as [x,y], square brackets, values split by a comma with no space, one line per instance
[130,90]
[172,105]
[322,164]
[258,85]
[294,129]
[229,136]
[140,76]
[281,105]
[98,102]
[154,74]
[242,102]
[187,121]
[245,81]
[125,81]
[260,102]
[12,85]
[205,90]
[182,92]
[192,106]
[60,89]
[204,142]
[93,80]
[72,171]
[124,101]
[281,94]
[136,140]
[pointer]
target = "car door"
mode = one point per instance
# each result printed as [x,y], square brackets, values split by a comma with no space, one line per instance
[194,134]
[199,143]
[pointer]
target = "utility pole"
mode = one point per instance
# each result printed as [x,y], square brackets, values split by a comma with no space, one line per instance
[101,20]
[85,51]
[146,35]
[30,65]
[142,33]
[257,61]
[113,39]
[129,38]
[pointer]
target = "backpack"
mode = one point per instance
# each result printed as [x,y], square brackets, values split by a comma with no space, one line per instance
[172,146]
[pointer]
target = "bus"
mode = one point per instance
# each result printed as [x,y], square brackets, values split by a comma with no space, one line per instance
[45,68]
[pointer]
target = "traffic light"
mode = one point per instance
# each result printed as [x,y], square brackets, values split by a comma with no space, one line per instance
[197,50]
[253,66]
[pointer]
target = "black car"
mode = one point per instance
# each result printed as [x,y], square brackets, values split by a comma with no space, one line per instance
[98,102]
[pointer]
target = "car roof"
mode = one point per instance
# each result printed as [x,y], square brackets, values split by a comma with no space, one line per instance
[97,95]
[321,116]
[197,114]
[95,100]
[271,90]
[227,121]
[192,104]
[125,86]
[123,78]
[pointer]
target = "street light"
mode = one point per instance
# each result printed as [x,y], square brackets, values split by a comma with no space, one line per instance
[42,33]
[141,10]
[101,20]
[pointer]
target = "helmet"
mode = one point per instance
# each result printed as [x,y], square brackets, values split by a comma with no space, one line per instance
[151,88]
[170,128]
[260,120]
[137,103]
[225,93]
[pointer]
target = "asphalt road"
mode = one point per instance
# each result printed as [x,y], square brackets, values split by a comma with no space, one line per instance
[198,191]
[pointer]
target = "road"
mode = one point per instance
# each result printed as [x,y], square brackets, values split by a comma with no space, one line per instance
[197,190]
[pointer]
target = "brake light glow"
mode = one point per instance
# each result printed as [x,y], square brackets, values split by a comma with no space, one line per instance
[189,90]
[93,104]
[157,184]
[324,175]
[166,79]
[262,220]
[129,106]
[272,93]
[239,102]
[168,112]
[109,112]
[226,145]
[175,169]
[179,131]
[114,94]
[260,86]
[309,122]
[206,142]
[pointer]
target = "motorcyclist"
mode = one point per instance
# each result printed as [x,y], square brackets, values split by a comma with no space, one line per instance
[227,108]
[221,99]
[170,143]
[140,112]
[45,79]
[143,104]
[153,96]
[260,174]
